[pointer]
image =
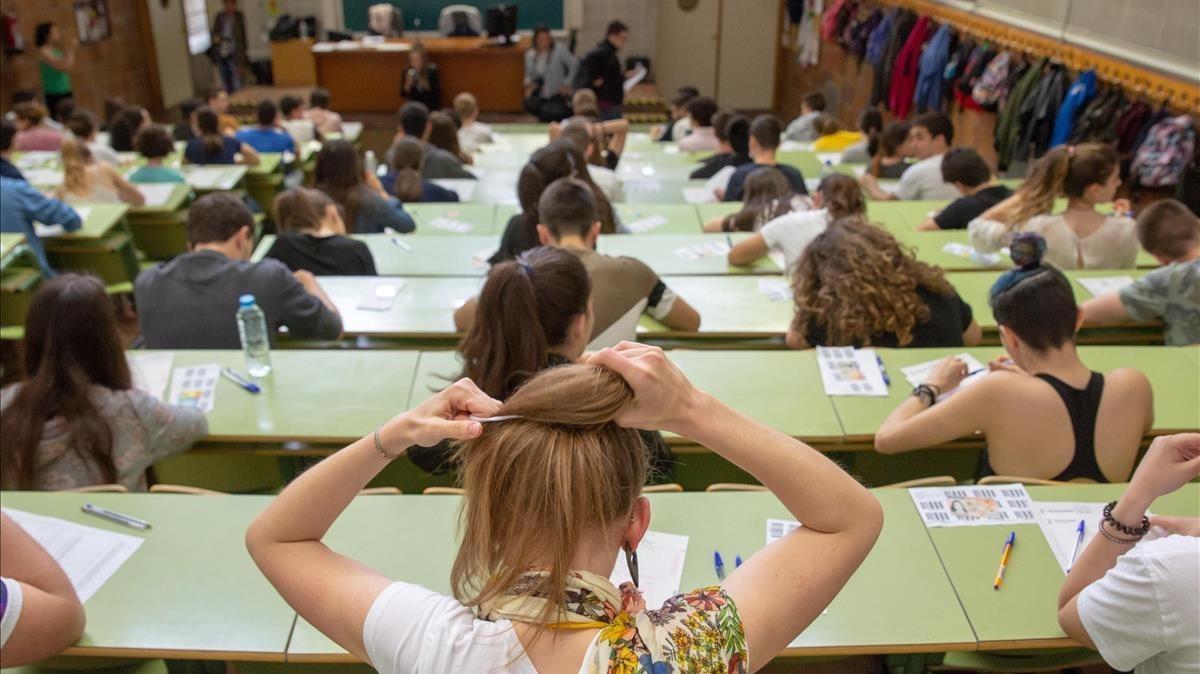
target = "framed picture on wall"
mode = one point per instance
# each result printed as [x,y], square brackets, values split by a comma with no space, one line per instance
[92,21]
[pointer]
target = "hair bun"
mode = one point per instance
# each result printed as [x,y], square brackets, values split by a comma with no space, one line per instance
[570,395]
[1027,250]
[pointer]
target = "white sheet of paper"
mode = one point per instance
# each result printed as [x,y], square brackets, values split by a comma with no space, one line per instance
[639,74]
[206,177]
[917,374]
[699,195]
[151,371]
[1059,522]
[972,506]
[720,180]
[795,146]
[646,224]
[1098,285]
[846,371]
[381,295]
[463,187]
[195,386]
[968,253]
[88,555]
[699,251]
[156,193]
[777,529]
[48,231]
[449,224]
[660,567]
[43,177]
[776,290]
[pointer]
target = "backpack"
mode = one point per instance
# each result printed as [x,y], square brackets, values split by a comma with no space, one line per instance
[1162,158]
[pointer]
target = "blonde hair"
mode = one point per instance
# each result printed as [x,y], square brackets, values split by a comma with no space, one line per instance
[538,485]
[584,103]
[1067,170]
[465,105]
[75,159]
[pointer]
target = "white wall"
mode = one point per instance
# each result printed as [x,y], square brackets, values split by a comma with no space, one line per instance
[746,71]
[170,50]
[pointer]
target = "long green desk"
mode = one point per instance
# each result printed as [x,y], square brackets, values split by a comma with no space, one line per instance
[20,276]
[929,248]
[407,255]
[481,217]
[11,247]
[160,230]
[1023,613]
[659,252]
[899,600]
[103,245]
[214,177]
[190,591]
[680,218]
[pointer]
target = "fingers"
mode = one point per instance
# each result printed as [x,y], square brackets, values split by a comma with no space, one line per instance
[465,396]
[617,361]
[1184,526]
[458,429]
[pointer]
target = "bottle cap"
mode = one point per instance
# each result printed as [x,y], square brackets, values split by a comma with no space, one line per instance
[246,301]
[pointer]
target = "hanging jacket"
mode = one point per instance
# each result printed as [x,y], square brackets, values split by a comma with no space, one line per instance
[1081,91]
[1129,123]
[901,27]
[1037,114]
[1007,124]
[877,41]
[861,34]
[989,87]
[847,14]
[830,19]
[931,65]
[795,10]
[1098,122]
[954,67]
[1016,70]
[904,73]
[977,64]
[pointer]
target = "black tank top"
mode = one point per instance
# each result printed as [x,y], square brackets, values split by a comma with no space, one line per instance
[1083,406]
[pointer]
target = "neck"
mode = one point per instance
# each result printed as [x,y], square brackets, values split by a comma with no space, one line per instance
[154,161]
[1078,204]
[979,188]
[764,157]
[572,241]
[227,248]
[1193,254]
[1062,362]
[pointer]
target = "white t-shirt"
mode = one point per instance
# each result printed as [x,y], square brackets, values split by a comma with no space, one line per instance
[923,180]
[301,130]
[1144,614]
[470,137]
[11,613]
[1113,245]
[792,232]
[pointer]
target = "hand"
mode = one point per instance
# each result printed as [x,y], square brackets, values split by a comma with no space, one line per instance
[719,193]
[947,375]
[445,416]
[867,179]
[1005,364]
[1122,206]
[1171,462]
[306,279]
[1184,526]
[372,181]
[662,396]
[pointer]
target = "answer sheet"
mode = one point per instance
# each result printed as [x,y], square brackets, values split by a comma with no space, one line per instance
[846,371]
[151,371]
[646,224]
[195,386]
[972,506]
[156,193]
[660,567]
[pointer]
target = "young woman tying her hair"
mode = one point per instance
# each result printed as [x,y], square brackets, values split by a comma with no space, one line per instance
[1080,237]
[532,314]
[552,497]
[767,195]
[838,196]
[1074,423]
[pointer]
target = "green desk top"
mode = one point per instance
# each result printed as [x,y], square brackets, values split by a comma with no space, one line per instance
[190,591]
[974,288]
[658,251]
[213,177]
[717,209]
[908,213]
[463,255]
[101,218]
[1172,373]
[9,243]
[504,213]
[480,216]
[1023,612]
[681,218]
[268,163]
[898,601]
[327,396]
[176,201]
[423,308]
[729,306]
[807,163]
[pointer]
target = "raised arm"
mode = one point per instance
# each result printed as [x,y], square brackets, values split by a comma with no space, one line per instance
[51,616]
[249,155]
[331,591]
[784,587]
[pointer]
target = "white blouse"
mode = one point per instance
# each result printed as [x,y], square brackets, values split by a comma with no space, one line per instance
[1113,245]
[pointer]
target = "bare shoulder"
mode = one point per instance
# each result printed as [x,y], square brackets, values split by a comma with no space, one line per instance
[1128,380]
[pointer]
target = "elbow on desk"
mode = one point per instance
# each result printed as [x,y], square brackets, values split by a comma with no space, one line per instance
[886,443]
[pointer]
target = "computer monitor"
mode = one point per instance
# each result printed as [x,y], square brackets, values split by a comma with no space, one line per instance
[502,21]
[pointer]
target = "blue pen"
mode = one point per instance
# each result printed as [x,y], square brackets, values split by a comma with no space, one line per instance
[737,561]
[240,380]
[1078,543]
[719,565]
[729,239]
[883,370]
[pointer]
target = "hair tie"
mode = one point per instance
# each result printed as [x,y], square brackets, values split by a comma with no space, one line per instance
[528,270]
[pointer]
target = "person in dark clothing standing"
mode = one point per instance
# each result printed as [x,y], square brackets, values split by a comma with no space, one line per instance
[601,71]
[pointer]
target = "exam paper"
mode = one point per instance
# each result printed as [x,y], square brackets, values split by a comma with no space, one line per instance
[449,224]
[206,177]
[974,505]
[777,529]
[156,193]
[700,251]
[463,187]
[45,177]
[846,371]
[1098,285]
[1059,522]
[639,74]
[646,224]
[195,386]
[660,567]
[917,374]
[151,371]
[88,555]
[699,195]
[381,295]
[776,290]
[968,253]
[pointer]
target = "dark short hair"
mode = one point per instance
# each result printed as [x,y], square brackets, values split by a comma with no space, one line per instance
[1168,228]
[568,206]
[615,27]
[266,112]
[23,96]
[738,130]
[188,107]
[936,124]
[82,123]
[41,33]
[217,217]
[153,142]
[766,129]
[8,130]
[414,117]
[964,165]
[720,123]
[319,98]
[289,103]
[870,121]
[702,109]
[815,100]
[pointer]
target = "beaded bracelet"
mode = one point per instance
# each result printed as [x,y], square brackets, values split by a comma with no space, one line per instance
[1138,531]
[1115,539]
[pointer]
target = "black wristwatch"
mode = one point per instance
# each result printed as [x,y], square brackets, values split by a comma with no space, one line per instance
[926,393]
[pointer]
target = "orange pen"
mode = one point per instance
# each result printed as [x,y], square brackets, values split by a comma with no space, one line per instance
[1008,546]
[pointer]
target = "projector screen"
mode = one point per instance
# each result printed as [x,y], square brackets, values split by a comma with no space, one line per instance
[195,15]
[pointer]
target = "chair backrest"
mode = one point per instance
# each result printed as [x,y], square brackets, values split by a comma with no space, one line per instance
[1012,479]
[446,20]
[453,491]
[386,20]
[182,489]
[100,489]
[669,487]
[380,491]
[935,481]
[734,486]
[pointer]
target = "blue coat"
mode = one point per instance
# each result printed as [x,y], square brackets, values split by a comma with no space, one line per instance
[928,95]
[1081,91]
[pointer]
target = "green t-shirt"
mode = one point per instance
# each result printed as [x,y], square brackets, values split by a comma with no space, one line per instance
[1170,294]
[155,174]
[55,81]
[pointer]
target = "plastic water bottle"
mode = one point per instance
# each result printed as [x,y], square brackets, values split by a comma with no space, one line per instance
[827,168]
[256,343]
[370,162]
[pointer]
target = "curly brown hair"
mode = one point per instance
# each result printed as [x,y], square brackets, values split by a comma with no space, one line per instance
[856,280]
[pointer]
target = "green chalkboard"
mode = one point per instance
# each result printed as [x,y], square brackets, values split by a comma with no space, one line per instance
[529,12]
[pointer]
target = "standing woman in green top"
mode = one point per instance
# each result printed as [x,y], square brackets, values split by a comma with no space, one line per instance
[55,58]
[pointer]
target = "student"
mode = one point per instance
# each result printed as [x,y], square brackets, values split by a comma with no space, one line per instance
[855,285]
[40,614]
[301,129]
[870,123]
[326,120]
[970,175]
[1074,423]
[191,302]
[155,145]
[830,137]
[8,132]
[218,102]
[678,125]
[187,112]
[76,420]
[625,288]
[733,149]
[125,125]
[368,208]
[605,140]
[312,237]
[404,180]
[767,196]
[764,141]
[1080,237]
[929,137]
[801,130]
[889,159]
[838,196]
[33,134]
[600,70]
[1171,233]
[515,550]
[211,147]
[21,204]
[549,71]
[86,181]
[473,132]
[444,136]
[56,58]
[559,159]
[421,80]
[702,137]
[267,136]
[415,124]
[580,133]
[82,123]
[1137,601]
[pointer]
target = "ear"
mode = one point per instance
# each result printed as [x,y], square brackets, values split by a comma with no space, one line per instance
[638,523]
[593,234]
[544,236]
[1010,341]
[1078,320]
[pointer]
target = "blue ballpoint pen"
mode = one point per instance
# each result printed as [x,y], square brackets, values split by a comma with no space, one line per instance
[883,370]
[737,561]
[241,381]
[719,565]
[1078,544]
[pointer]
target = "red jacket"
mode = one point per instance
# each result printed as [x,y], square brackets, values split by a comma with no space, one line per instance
[906,69]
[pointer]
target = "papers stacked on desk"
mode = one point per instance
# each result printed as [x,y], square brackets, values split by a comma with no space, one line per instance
[972,506]
[448,224]
[646,224]
[195,386]
[919,373]
[699,251]
[846,371]
[660,567]
[156,193]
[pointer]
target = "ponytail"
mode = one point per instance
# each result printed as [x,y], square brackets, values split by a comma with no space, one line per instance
[211,140]
[1042,186]
[407,162]
[75,157]
[841,197]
